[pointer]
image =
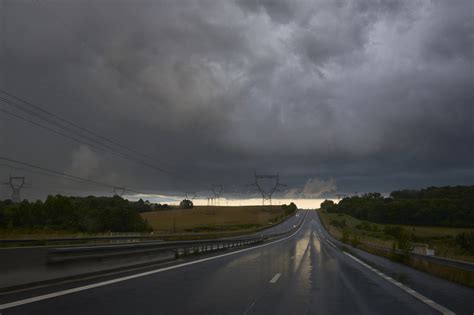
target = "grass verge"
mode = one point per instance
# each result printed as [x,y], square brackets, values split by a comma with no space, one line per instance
[365,240]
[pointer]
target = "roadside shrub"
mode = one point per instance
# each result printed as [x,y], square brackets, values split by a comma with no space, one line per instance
[404,244]
[289,209]
[345,236]
[465,241]
[355,241]
[393,231]
[338,223]
[366,226]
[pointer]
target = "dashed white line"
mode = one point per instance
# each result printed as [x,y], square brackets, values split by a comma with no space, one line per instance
[443,310]
[275,278]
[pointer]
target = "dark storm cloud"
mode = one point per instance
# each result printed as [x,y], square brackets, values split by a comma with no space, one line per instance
[358,94]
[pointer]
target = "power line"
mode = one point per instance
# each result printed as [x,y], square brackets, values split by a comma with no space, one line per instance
[39,108]
[62,174]
[87,141]
[72,137]
[66,131]
[35,172]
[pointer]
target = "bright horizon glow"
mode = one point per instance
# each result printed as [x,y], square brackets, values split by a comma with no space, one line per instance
[302,203]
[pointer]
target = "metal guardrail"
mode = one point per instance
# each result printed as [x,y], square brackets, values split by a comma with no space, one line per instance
[180,248]
[436,259]
[77,240]
[118,238]
[100,239]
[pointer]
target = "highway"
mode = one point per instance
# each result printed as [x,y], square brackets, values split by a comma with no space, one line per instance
[304,273]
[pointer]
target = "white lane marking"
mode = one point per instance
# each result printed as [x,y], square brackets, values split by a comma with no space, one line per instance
[321,236]
[143,274]
[330,243]
[275,278]
[422,298]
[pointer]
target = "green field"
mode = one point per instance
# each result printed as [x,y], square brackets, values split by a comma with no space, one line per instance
[207,219]
[198,220]
[441,239]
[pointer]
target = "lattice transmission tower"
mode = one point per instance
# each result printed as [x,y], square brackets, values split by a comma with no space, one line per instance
[267,192]
[16,183]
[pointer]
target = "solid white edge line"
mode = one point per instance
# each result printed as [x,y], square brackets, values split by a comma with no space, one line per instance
[415,294]
[139,275]
[275,278]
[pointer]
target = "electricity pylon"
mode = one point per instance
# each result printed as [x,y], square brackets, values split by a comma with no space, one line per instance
[16,183]
[267,193]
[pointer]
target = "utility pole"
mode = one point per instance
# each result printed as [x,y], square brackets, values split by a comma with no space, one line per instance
[267,193]
[16,183]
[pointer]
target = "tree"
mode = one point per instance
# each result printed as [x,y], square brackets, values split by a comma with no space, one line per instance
[327,204]
[186,204]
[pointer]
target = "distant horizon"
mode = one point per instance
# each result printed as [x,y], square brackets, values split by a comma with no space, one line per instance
[302,203]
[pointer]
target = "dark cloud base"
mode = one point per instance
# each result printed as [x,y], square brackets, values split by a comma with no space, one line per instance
[373,95]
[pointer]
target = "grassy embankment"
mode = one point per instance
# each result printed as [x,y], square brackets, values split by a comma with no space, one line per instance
[441,239]
[214,219]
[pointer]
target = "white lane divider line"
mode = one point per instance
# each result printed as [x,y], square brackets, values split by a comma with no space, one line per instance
[443,310]
[322,237]
[275,278]
[104,283]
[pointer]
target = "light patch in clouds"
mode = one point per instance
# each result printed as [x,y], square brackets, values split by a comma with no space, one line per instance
[84,162]
[313,188]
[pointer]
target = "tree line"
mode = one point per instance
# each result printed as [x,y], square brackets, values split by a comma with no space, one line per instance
[433,206]
[77,214]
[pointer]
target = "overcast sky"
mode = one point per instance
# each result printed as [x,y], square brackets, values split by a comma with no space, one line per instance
[340,95]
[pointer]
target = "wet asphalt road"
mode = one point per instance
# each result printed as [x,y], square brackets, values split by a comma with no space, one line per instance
[301,274]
